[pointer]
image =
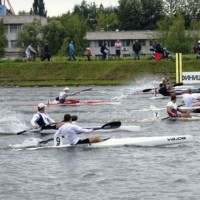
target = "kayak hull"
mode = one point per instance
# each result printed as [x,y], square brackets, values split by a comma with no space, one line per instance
[193,118]
[132,141]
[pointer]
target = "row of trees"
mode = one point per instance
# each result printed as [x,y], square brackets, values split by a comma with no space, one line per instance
[173,19]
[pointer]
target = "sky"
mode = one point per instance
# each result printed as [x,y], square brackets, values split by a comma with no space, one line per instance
[55,7]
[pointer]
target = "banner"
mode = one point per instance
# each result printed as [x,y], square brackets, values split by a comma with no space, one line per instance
[191,77]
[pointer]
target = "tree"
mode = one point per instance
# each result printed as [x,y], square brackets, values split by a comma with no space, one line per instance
[139,14]
[152,12]
[3,40]
[189,9]
[30,33]
[178,40]
[163,28]
[54,33]
[130,14]
[38,8]
[195,30]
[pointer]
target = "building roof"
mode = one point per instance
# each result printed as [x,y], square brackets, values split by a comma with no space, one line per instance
[23,19]
[121,35]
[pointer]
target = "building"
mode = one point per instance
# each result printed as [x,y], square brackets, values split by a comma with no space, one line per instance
[127,38]
[13,24]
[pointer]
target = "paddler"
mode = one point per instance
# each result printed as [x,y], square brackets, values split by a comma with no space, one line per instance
[164,89]
[70,131]
[63,95]
[190,100]
[42,120]
[173,109]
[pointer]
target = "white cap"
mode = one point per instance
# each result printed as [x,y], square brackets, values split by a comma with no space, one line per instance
[163,79]
[41,105]
[66,89]
[199,41]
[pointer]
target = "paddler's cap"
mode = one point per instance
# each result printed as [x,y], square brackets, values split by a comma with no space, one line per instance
[66,89]
[41,105]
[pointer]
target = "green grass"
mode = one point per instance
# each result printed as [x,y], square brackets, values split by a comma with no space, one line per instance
[59,72]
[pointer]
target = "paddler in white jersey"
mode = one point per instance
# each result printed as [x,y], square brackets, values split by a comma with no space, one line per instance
[63,95]
[41,119]
[70,131]
[190,100]
[173,109]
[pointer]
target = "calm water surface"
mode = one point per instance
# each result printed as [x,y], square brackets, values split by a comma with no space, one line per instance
[127,173]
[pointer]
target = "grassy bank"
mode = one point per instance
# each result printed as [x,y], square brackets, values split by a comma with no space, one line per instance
[60,73]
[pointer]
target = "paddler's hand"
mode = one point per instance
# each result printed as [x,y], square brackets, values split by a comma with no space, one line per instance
[36,126]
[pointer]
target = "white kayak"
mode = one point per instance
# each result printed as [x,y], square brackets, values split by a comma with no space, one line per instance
[131,141]
[193,118]
[184,87]
[189,108]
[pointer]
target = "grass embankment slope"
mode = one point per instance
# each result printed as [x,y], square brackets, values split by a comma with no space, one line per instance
[59,73]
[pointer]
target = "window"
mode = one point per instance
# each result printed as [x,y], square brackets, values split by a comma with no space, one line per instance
[112,43]
[13,43]
[14,28]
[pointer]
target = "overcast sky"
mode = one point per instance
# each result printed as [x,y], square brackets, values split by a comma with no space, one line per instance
[56,7]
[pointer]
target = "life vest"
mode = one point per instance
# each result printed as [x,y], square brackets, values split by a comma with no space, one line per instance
[40,121]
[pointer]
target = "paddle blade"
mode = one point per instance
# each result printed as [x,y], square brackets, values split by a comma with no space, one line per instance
[46,141]
[178,84]
[111,125]
[74,118]
[147,90]
[86,89]
[19,133]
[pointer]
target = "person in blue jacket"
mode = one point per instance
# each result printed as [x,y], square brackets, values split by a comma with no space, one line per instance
[71,51]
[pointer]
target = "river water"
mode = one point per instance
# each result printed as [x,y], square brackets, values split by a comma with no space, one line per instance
[128,173]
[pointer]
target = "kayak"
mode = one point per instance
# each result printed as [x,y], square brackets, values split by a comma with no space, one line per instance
[73,102]
[193,118]
[131,141]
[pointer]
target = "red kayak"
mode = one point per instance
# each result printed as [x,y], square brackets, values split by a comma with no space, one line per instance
[73,102]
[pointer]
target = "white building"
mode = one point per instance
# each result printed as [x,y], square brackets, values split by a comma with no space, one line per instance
[127,38]
[13,24]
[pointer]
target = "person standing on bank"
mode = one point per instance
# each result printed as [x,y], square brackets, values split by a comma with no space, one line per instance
[88,53]
[102,50]
[136,49]
[70,131]
[30,52]
[71,51]
[47,54]
[118,46]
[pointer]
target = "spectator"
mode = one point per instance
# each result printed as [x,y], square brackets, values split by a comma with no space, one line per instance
[30,52]
[88,53]
[71,51]
[47,54]
[136,49]
[118,46]
[103,48]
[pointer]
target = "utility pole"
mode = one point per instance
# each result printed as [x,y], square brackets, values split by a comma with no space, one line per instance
[9,4]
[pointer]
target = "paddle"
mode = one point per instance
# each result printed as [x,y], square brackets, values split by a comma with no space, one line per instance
[177,84]
[147,90]
[74,118]
[81,91]
[57,98]
[110,125]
